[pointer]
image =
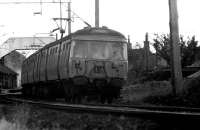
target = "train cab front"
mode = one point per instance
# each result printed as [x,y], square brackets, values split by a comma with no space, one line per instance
[98,63]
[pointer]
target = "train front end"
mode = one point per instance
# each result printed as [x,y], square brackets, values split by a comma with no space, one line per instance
[98,61]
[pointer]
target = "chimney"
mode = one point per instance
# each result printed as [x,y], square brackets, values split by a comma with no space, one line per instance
[129,43]
[146,52]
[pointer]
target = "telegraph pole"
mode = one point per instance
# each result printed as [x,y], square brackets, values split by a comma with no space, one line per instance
[96,13]
[176,71]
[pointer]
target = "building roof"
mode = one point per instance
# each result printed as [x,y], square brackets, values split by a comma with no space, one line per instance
[14,52]
[24,43]
[25,52]
[29,40]
[5,69]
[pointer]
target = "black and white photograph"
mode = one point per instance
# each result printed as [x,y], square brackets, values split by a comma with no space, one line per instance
[99,65]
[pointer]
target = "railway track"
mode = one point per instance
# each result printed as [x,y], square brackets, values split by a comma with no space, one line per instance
[152,112]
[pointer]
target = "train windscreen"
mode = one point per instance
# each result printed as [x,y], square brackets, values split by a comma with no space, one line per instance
[99,50]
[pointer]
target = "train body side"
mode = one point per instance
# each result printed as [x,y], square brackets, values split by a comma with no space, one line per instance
[47,64]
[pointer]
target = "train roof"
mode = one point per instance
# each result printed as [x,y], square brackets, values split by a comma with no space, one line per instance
[98,31]
[89,31]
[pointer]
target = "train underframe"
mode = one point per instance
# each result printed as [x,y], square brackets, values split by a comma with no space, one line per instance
[98,91]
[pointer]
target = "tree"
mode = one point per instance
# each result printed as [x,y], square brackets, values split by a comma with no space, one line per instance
[188,49]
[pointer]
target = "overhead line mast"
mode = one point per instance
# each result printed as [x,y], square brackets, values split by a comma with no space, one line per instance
[69,17]
[96,13]
[61,29]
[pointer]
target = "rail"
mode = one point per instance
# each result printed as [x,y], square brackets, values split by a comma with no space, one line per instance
[157,112]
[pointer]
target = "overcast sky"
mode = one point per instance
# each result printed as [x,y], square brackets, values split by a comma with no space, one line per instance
[130,17]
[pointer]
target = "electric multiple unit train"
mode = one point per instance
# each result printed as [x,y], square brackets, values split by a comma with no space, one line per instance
[89,63]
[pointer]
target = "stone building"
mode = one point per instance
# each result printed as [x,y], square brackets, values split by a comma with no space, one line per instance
[13,61]
[16,49]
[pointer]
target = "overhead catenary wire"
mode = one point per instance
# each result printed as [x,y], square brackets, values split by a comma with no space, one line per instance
[77,16]
[33,2]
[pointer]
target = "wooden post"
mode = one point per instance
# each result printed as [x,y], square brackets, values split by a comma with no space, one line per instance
[176,71]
